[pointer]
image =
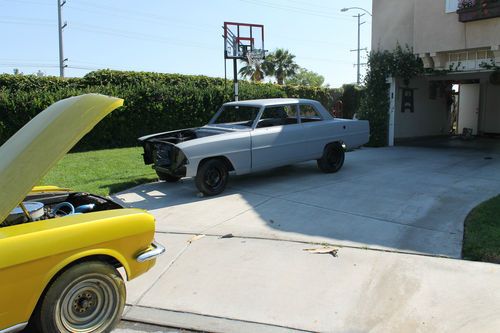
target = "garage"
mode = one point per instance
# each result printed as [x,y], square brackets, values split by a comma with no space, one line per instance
[465,105]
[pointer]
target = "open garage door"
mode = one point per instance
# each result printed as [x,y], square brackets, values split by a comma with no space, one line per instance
[468,108]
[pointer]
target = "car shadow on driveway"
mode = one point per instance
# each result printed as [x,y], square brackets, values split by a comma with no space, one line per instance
[407,199]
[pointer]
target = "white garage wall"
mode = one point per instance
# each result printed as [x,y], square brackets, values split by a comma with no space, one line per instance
[491,120]
[430,116]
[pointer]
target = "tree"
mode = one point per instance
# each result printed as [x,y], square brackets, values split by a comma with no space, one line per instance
[253,71]
[304,77]
[280,64]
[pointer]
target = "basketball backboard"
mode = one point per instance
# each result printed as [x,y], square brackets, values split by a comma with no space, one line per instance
[242,40]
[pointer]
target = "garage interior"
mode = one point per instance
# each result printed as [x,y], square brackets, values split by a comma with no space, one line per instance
[456,110]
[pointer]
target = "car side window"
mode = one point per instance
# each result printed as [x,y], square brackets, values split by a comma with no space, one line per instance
[308,114]
[278,116]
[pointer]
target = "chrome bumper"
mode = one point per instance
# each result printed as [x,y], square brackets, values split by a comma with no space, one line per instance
[151,254]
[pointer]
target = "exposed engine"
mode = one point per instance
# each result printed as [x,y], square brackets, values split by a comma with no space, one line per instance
[57,204]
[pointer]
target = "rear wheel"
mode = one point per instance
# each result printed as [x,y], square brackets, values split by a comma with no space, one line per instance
[212,176]
[332,159]
[167,177]
[88,297]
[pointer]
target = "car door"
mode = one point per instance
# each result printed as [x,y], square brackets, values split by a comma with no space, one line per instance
[278,138]
[316,131]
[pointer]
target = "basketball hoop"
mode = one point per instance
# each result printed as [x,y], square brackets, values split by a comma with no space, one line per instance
[242,41]
[254,56]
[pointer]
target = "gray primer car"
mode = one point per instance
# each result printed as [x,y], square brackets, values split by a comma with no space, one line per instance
[254,135]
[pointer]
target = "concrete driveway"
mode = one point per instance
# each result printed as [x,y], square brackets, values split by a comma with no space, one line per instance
[250,271]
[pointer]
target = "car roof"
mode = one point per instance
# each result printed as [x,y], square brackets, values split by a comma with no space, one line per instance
[272,101]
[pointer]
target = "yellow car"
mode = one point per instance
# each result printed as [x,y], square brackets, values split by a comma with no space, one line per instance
[60,249]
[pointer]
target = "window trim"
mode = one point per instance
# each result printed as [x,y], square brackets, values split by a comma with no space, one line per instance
[311,105]
[451,6]
[261,113]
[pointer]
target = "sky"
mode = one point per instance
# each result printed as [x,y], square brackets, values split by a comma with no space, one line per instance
[177,36]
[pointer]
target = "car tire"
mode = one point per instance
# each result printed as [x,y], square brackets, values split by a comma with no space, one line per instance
[87,297]
[212,177]
[167,177]
[332,159]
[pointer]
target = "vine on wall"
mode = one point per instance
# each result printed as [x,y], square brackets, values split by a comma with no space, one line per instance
[400,63]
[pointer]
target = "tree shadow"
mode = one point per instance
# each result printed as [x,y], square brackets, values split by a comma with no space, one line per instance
[406,199]
[118,187]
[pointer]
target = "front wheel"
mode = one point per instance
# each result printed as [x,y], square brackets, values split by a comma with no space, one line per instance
[212,176]
[88,297]
[332,159]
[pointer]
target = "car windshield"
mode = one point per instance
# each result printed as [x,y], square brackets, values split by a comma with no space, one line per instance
[237,115]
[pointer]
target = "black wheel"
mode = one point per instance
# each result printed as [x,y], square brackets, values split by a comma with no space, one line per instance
[88,297]
[167,177]
[211,178]
[332,159]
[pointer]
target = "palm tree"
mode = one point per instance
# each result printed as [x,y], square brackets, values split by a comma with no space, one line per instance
[280,64]
[252,70]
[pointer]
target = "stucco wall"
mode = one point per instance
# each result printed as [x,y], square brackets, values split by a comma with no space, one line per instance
[435,30]
[392,23]
[425,26]
[430,116]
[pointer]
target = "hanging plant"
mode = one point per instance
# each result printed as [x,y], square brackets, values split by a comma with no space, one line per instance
[463,4]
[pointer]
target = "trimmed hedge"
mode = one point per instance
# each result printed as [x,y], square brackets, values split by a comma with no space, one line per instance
[351,100]
[154,102]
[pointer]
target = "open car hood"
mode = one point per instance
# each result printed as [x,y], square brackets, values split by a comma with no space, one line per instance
[30,153]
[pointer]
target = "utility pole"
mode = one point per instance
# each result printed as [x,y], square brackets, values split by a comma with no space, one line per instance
[62,60]
[359,49]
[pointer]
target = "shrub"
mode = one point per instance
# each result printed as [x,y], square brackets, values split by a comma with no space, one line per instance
[351,100]
[154,102]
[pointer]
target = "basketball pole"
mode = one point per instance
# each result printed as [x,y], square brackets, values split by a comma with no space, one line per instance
[235,73]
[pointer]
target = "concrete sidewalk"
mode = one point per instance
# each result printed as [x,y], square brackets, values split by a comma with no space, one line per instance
[249,285]
[383,208]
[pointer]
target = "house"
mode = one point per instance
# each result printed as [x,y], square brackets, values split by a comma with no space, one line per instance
[459,44]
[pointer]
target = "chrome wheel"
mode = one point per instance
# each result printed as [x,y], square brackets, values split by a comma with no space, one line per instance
[88,304]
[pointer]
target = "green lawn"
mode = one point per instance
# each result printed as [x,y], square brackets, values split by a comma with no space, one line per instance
[102,171]
[482,232]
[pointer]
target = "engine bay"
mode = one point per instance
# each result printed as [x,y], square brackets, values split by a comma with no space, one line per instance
[44,206]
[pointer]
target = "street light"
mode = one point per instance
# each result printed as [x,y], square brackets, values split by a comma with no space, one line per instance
[346,9]
[359,36]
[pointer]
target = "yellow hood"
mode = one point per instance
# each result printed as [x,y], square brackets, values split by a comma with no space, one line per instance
[30,153]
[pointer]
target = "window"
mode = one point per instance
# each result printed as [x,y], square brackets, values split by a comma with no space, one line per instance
[451,6]
[237,115]
[278,116]
[308,113]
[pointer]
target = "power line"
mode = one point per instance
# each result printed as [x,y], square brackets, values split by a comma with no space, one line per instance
[143,16]
[139,36]
[324,60]
[310,4]
[294,9]
[12,21]
[36,3]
